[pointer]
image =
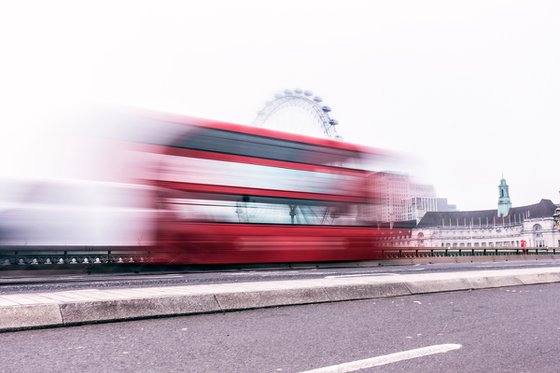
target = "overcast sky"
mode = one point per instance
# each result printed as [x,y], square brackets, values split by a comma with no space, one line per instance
[470,88]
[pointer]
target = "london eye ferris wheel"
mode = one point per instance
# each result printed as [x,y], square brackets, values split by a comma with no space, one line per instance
[301,112]
[298,111]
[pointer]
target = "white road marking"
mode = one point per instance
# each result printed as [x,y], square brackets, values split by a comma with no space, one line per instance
[386,359]
[283,273]
[363,275]
[161,277]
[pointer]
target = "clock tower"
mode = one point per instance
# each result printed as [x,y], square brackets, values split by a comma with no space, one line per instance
[504,203]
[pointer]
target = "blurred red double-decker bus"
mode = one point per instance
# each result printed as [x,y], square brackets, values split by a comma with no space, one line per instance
[229,193]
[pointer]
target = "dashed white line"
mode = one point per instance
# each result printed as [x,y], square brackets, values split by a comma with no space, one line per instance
[386,359]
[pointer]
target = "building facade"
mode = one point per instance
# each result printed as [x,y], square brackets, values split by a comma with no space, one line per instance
[532,225]
[420,219]
[507,226]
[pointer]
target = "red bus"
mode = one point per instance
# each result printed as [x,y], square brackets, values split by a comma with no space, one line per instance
[229,193]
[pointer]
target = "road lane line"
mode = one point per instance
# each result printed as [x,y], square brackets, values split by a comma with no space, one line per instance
[386,359]
[364,275]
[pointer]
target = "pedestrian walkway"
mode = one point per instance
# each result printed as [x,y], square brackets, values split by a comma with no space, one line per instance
[61,308]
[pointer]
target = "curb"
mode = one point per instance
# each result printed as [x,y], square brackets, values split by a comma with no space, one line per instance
[31,311]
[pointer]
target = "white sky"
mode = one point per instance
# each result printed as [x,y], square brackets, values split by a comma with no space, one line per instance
[470,88]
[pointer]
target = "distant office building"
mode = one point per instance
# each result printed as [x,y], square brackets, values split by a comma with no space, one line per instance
[443,205]
[399,199]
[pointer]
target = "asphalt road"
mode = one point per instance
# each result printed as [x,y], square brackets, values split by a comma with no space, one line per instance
[33,283]
[513,329]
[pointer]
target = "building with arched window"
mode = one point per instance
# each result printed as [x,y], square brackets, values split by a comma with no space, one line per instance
[536,225]
[532,224]
[506,226]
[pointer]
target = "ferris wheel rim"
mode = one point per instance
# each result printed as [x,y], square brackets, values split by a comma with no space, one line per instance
[314,103]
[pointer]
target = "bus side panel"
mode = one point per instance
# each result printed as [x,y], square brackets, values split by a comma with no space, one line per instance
[215,243]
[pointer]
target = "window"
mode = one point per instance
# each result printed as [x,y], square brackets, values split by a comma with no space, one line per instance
[214,172]
[420,237]
[538,235]
[262,210]
[228,142]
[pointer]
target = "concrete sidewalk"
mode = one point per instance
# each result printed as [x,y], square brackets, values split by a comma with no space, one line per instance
[25,311]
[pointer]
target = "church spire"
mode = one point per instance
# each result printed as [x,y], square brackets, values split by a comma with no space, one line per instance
[504,202]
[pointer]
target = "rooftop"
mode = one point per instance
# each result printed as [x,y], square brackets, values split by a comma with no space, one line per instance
[543,209]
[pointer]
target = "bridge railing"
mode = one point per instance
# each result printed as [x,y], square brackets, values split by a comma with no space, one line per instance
[30,254]
[423,252]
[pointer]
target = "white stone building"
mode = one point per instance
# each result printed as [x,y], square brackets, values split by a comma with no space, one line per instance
[533,224]
[506,226]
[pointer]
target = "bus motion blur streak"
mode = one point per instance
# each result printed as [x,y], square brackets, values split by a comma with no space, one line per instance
[236,194]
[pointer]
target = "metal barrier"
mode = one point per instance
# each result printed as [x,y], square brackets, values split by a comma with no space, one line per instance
[429,252]
[47,256]
[56,255]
